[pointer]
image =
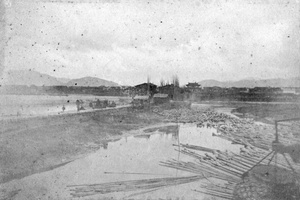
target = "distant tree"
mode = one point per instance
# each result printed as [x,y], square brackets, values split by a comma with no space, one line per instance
[175,87]
[162,82]
[148,82]
[175,81]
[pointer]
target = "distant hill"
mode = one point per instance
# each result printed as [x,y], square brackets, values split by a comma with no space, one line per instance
[278,82]
[63,80]
[28,77]
[90,81]
[211,83]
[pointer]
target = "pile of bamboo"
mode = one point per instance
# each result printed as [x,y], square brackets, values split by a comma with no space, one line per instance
[127,186]
[240,179]
[243,131]
[243,179]
[224,191]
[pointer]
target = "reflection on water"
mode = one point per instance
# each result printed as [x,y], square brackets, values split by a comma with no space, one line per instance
[130,158]
[143,153]
[164,140]
[139,157]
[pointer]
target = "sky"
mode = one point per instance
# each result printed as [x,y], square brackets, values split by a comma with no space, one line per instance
[128,41]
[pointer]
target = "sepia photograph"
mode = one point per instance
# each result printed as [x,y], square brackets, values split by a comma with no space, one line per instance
[149,100]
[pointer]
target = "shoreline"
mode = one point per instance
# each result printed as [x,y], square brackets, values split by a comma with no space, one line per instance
[36,144]
[15,117]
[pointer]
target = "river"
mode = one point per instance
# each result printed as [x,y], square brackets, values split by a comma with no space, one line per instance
[135,157]
[36,105]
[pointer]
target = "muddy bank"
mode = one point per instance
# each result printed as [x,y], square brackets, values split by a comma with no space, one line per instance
[28,146]
[267,113]
[137,156]
[128,168]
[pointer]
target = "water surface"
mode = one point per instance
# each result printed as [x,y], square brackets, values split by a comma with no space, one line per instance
[130,158]
[34,105]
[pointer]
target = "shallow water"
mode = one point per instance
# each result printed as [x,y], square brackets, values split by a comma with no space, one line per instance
[143,153]
[130,158]
[33,105]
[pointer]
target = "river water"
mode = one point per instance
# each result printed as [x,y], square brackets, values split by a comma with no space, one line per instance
[36,105]
[130,158]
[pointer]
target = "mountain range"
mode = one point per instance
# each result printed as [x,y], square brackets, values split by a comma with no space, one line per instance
[30,77]
[250,83]
[90,81]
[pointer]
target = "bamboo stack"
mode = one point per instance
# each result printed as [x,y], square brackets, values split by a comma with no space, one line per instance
[133,185]
[217,190]
[231,128]
[210,163]
[233,169]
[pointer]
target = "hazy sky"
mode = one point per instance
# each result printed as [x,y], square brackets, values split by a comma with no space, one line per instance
[125,41]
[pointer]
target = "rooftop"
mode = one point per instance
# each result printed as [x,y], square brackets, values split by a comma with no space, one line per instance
[160,95]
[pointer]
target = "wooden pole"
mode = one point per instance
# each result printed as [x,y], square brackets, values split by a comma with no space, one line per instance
[276,132]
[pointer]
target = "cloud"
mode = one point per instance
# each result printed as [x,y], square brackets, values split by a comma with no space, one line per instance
[120,41]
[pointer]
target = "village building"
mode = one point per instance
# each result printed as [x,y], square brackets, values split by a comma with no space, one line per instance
[144,88]
[193,86]
[160,98]
[140,102]
[291,90]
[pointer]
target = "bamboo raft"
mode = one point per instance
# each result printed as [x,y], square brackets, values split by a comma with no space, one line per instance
[134,185]
[237,174]
[244,131]
[242,180]
[228,168]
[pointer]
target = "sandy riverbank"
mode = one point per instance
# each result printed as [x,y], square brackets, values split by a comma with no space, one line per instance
[39,144]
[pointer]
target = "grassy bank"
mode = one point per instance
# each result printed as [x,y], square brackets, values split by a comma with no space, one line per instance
[38,144]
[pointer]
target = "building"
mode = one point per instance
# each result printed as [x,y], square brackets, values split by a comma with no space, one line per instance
[266,90]
[140,102]
[291,90]
[160,98]
[193,86]
[172,91]
[144,88]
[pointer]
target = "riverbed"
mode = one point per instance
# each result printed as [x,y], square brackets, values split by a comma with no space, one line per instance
[135,157]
